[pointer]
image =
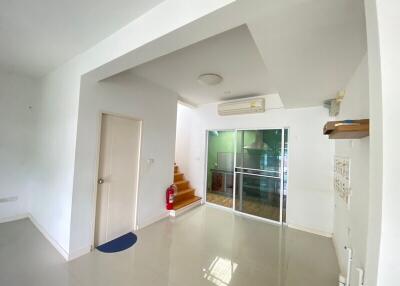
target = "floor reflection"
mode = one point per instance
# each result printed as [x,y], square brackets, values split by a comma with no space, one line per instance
[220,271]
[206,246]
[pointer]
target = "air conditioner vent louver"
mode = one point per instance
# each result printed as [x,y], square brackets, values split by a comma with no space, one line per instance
[256,105]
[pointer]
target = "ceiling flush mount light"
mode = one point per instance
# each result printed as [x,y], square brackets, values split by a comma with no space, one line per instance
[210,79]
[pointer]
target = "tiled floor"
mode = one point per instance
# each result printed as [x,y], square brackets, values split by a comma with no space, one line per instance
[205,246]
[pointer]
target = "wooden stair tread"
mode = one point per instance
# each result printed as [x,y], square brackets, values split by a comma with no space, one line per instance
[178,177]
[183,192]
[185,195]
[185,203]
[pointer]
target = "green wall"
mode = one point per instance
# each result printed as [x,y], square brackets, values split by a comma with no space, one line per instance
[224,141]
[218,141]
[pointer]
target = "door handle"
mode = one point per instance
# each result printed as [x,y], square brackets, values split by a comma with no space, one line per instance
[100,181]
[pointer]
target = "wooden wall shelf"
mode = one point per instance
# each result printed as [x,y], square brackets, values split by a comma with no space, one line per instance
[347,129]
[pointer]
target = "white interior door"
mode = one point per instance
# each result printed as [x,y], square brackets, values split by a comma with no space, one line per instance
[117,177]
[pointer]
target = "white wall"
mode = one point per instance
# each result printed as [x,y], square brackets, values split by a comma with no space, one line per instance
[127,95]
[375,145]
[351,222]
[60,91]
[310,194]
[185,121]
[58,116]
[384,46]
[18,111]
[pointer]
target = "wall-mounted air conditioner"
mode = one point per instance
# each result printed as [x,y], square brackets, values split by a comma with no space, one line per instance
[244,106]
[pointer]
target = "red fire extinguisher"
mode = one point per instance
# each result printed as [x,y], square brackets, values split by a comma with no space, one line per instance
[170,196]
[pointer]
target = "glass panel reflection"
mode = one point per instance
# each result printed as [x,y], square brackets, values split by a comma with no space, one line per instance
[285,173]
[258,173]
[220,164]
[259,164]
[259,149]
[258,195]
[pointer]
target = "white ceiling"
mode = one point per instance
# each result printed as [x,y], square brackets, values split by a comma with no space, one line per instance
[306,50]
[232,54]
[37,36]
[310,47]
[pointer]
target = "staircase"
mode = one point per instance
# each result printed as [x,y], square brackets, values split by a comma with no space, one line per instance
[185,198]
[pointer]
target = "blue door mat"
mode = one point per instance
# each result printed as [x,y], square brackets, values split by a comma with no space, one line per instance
[119,244]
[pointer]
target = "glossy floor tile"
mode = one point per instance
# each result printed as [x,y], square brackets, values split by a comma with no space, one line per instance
[206,246]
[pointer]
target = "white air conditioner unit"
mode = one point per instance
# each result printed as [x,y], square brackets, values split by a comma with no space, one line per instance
[246,106]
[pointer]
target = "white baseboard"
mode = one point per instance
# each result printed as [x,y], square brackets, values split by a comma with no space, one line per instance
[78,253]
[174,213]
[310,230]
[13,218]
[147,222]
[152,220]
[55,244]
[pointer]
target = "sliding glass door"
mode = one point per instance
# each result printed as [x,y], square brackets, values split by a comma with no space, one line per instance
[247,171]
[258,173]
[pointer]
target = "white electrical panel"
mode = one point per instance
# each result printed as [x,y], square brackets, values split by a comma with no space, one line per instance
[342,178]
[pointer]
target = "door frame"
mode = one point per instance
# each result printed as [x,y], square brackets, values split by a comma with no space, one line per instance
[97,165]
[232,209]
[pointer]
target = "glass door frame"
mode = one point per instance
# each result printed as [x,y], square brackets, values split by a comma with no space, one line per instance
[281,172]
